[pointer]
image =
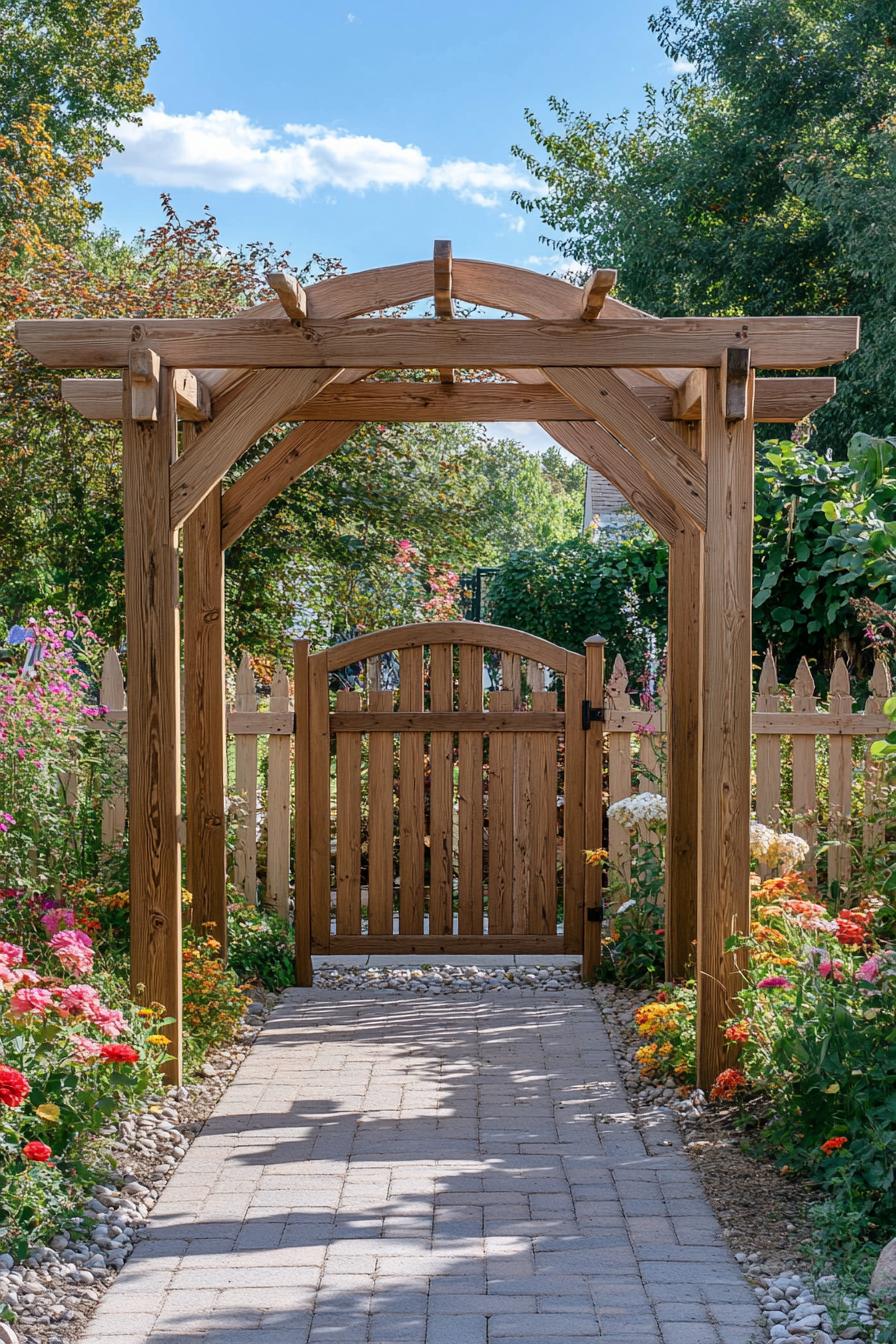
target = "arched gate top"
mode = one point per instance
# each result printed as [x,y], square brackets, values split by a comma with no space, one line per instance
[427,633]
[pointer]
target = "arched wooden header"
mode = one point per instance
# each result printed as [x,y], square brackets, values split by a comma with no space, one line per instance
[470,633]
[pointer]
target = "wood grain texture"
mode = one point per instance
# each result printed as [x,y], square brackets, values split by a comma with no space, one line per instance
[724,898]
[348,822]
[619,766]
[500,821]
[805,785]
[151,608]
[410,798]
[113,698]
[297,452]
[279,818]
[573,813]
[678,474]
[293,299]
[406,945]
[261,404]
[302,850]
[594,293]
[840,702]
[542,916]
[204,712]
[402,343]
[245,754]
[469,798]
[430,633]
[380,816]
[441,793]
[594,808]
[471,721]
[768,747]
[320,818]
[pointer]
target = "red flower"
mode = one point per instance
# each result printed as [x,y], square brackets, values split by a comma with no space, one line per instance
[14,1088]
[35,1151]
[116,1053]
[831,1145]
[852,927]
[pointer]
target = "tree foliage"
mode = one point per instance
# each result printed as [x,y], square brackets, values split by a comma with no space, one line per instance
[760,181]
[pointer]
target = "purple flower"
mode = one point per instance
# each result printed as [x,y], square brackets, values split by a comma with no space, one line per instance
[17,635]
[775,982]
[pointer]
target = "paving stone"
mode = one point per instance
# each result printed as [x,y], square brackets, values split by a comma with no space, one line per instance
[389,1169]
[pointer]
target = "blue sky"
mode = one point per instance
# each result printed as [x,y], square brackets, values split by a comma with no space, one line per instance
[401,116]
[364,129]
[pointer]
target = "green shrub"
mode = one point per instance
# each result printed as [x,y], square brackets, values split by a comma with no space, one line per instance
[259,946]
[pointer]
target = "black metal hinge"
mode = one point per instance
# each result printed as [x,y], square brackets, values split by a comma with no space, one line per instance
[591,714]
[594,914]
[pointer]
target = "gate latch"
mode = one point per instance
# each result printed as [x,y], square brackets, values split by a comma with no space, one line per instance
[591,714]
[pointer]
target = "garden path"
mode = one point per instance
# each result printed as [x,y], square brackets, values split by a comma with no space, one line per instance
[430,1170]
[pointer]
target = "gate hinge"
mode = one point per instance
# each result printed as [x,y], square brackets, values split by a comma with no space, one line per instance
[591,714]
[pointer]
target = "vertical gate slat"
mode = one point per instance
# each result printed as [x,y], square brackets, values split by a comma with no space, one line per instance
[319,798]
[573,810]
[543,789]
[279,750]
[302,814]
[470,815]
[805,787]
[594,805]
[500,821]
[246,765]
[839,779]
[441,795]
[380,818]
[768,747]
[410,797]
[348,821]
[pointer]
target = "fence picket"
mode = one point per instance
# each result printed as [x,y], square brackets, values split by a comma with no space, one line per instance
[874,830]
[543,793]
[500,821]
[441,795]
[839,779]
[469,796]
[246,783]
[805,782]
[113,697]
[619,767]
[276,892]
[410,798]
[348,821]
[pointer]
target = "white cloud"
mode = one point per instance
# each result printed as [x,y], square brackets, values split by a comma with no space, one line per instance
[682,67]
[225,151]
[556,265]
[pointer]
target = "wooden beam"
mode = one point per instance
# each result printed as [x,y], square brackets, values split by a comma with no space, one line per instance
[724,897]
[260,405]
[686,400]
[679,475]
[777,400]
[595,292]
[442,280]
[290,458]
[735,377]
[592,444]
[205,710]
[293,299]
[194,401]
[775,342]
[151,607]
[684,680]
[144,365]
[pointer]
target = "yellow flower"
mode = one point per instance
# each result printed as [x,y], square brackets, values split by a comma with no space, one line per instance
[48,1111]
[159,1039]
[834,1087]
[145,1012]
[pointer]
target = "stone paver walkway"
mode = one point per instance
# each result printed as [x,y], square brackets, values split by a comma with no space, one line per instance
[430,1171]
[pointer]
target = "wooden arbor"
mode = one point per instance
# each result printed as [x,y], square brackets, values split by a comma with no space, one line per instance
[663,407]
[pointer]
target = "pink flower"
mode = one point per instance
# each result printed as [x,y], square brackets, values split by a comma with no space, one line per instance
[33,1000]
[109,1020]
[80,1001]
[775,982]
[11,954]
[869,970]
[57,919]
[830,970]
[84,1049]
[74,949]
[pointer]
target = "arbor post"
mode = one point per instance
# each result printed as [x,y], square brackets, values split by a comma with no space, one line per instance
[684,708]
[151,608]
[724,897]
[205,712]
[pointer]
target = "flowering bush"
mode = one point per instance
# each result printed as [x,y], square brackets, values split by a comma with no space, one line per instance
[647,810]
[213,999]
[259,946]
[71,1063]
[46,702]
[670,1025]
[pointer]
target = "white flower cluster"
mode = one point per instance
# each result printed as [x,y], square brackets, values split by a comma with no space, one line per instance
[776,849]
[642,809]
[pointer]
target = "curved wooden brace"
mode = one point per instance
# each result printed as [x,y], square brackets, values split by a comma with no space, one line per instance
[593,445]
[452,632]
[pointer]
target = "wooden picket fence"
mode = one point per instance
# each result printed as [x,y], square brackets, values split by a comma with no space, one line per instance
[813,772]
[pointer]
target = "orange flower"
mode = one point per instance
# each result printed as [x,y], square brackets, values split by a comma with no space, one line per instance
[738,1031]
[831,1145]
[727,1084]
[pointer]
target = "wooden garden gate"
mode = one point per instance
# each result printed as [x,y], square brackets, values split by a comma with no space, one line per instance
[484,811]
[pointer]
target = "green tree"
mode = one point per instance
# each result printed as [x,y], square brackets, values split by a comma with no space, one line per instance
[760,181]
[70,70]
